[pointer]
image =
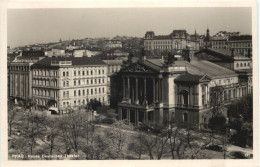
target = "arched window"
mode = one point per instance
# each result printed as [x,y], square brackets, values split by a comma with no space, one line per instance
[185,98]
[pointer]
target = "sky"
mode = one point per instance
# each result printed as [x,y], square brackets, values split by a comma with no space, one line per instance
[31,26]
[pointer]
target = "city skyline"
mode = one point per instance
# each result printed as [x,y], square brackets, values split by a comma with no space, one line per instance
[30,26]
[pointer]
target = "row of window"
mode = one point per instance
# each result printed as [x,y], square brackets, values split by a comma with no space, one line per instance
[87,72]
[45,72]
[45,93]
[240,44]
[40,82]
[243,64]
[85,82]
[19,68]
[84,92]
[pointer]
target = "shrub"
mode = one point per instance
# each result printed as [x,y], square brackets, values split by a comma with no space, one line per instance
[108,121]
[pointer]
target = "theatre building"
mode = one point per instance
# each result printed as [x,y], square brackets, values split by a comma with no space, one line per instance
[155,91]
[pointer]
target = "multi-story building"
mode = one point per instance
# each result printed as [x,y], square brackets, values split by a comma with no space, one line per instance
[232,60]
[113,66]
[20,76]
[112,44]
[69,82]
[241,44]
[177,40]
[156,92]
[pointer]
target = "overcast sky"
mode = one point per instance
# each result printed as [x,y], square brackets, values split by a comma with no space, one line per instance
[29,26]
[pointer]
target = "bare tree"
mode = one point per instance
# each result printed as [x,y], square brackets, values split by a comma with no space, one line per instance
[33,128]
[73,129]
[12,112]
[137,146]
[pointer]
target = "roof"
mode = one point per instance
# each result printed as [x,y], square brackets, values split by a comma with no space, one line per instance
[189,78]
[219,54]
[162,37]
[76,61]
[113,62]
[200,68]
[241,37]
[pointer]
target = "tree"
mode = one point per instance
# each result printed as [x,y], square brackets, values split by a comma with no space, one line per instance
[52,133]
[216,100]
[137,146]
[32,127]
[73,129]
[12,112]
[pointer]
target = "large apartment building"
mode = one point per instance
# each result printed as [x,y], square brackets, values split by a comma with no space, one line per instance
[177,40]
[69,82]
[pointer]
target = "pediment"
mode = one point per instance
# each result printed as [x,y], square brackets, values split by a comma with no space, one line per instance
[138,68]
[205,78]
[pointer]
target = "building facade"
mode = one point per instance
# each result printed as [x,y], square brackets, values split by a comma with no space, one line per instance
[241,44]
[109,44]
[20,74]
[113,66]
[154,92]
[177,40]
[69,82]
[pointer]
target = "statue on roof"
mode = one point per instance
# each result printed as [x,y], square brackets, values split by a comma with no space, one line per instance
[170,59]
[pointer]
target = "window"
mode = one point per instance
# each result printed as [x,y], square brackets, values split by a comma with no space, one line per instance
[87,92]
[91,72]
[75,93]
[64,74]
[99,81]
[99,90]
[95,81]
[92,91]
[78,72]
[98,71]
[75,82]
[83,92]
[79,82]
[79,92]
[83,72]
[75,73]
[185,117]
[185,96]
[64,83]
[103,90]
[67,73]
[67,83]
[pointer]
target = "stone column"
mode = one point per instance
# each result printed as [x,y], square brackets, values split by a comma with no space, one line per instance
[154,90]
[136,91]
[154,116]
[136,120]
[128,88]
[145,98]
[128,115]
[137,116]
[160,90]
[123,88]
[120,113]
[157,90]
